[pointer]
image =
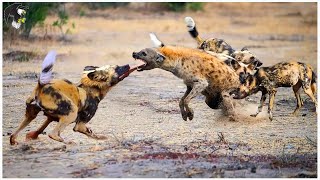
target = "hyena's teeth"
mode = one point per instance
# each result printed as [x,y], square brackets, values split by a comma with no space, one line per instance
[190,22]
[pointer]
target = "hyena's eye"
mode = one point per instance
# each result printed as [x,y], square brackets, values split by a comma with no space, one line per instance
[144,54]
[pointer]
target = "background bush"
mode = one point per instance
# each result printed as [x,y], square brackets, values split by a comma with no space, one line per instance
[182,6]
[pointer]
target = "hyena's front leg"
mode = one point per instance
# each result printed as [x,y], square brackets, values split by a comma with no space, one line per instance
[198,87]
[262,100]
[227,105]
[182,106]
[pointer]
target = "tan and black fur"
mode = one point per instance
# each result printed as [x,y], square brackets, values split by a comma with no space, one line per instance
[65,102]
[285,74]
[201,73]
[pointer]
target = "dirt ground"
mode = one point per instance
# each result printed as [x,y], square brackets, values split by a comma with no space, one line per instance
[146,134]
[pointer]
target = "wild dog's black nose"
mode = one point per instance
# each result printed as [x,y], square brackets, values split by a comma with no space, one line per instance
[120,70]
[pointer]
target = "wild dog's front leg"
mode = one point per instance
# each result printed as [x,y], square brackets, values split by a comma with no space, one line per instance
[198,87]
[82,128]
[262,100]
[181,104]
[272,95]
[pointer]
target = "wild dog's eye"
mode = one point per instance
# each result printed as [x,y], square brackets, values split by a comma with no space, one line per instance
[251,58]
[144,54]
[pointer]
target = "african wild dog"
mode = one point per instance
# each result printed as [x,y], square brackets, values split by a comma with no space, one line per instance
[220,48]
[201,72]
[284,74]
[65,102]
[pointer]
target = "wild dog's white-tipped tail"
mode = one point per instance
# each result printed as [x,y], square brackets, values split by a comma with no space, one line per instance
[156,42]
[190,23]
[47,65]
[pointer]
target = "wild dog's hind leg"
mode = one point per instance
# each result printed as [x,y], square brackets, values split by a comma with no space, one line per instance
[272,95]
[296,89]
[198,87]
[31,113]
[227,105]
[262,100]
[64,121]
[181,104]
[82,128]
[35,134]
[309,92]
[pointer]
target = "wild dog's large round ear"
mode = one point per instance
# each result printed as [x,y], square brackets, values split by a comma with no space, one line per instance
[244,49]
[235,64]
[90,68]
[258,63]
[97,76]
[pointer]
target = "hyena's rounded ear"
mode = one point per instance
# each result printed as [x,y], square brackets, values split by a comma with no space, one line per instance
[97,76]
[160,58]
[244,49]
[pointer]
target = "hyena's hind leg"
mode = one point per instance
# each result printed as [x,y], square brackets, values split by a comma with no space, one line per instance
[82,128]
[31,113]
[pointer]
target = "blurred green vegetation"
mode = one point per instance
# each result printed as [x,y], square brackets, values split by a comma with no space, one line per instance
[182,6]
[38,11]
[104,5]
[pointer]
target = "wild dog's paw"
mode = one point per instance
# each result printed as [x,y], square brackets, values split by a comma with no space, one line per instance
[32,135]
[13,140]
[190,23]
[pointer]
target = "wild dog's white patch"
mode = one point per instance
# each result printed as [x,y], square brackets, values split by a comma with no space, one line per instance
[156,42]
[15,24]
[190,23]
[47,65]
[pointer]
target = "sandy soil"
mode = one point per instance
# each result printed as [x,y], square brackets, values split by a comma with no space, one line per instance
[147,136]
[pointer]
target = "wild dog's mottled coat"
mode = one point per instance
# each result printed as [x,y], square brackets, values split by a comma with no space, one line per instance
[65,102]
[285,74]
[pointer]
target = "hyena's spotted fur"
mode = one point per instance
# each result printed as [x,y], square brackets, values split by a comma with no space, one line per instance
[285,74]
[201,73]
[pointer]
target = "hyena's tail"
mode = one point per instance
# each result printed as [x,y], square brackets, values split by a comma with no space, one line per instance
[156,42]
[314,82]
[47,66]
[191,25]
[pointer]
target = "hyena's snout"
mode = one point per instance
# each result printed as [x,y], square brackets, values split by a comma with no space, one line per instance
[135,55]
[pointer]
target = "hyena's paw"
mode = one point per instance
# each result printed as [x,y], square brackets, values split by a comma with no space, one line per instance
[184,116]
[190,114]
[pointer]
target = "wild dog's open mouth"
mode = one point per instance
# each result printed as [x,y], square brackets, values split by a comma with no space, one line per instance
[123,71]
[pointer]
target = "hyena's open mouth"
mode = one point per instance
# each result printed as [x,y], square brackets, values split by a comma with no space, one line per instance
[141,66]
